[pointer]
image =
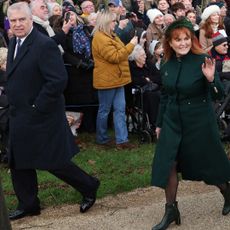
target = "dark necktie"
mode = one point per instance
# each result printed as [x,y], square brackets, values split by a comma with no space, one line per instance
[18,45]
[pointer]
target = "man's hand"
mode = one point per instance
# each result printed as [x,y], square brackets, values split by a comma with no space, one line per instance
[123,23]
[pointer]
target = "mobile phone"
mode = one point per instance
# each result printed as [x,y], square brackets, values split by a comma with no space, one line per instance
[67,17]
[129,15]
[122,17]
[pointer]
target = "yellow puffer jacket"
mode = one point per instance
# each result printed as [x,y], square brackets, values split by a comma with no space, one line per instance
[111,67]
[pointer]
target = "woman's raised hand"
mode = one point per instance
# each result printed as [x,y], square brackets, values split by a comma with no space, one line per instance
[208,69]
[134,40]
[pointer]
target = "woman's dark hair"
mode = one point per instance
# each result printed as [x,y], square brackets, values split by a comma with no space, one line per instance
[56,22]
[190,11]
[168,51]
[158,45]
[176,6]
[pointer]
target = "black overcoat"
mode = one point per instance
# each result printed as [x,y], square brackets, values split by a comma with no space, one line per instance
[40,137]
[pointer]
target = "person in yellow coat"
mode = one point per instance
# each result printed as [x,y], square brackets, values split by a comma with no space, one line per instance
[111,73]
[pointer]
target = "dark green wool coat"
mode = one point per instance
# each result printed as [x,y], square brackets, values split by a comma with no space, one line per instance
[189,132]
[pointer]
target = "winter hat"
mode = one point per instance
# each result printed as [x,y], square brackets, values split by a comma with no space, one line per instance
[152,46]
[220,4]
[179,23]
[218,38]
[116,3]
[67,6]
[208,11]
[153,13]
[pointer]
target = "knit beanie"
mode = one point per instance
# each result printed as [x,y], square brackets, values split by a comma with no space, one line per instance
[182,22]
[116,3]
[218,38]
[209,11]
[153,13]
[67,6]
[220,4]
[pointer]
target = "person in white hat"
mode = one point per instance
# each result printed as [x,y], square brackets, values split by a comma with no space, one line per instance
[156,51]
[210,24]
[155,30]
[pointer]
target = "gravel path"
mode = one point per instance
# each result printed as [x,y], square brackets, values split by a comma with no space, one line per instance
[200,208]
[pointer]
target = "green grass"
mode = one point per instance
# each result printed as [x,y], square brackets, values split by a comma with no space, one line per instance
[118,171]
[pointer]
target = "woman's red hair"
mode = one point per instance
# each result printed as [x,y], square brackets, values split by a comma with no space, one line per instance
[168,51]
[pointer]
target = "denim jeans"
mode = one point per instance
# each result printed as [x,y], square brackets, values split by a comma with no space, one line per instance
[111,98]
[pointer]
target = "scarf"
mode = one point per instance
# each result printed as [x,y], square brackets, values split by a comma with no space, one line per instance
[48,28]
[81,42]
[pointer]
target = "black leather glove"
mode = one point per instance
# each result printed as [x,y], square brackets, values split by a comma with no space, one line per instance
[87,64]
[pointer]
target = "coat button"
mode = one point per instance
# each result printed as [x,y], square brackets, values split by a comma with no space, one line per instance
[204,100]
[189,103]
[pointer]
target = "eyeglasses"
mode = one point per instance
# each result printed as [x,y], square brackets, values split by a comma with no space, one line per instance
[225,45]
[114,20]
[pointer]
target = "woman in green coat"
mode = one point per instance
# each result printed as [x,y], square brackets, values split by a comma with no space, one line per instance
[188,137]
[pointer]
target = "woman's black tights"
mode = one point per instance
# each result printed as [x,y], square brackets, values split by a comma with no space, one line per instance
[171,188]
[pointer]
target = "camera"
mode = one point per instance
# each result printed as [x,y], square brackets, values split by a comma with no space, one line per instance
[67,17]
[129,15]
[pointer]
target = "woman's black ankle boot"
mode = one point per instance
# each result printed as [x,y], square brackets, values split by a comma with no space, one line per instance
[226,195]
[171,214]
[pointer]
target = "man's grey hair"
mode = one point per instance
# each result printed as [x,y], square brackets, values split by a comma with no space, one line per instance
[34,3]
[20,6]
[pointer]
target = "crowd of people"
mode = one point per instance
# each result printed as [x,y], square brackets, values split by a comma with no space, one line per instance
[94,53]
[71,25]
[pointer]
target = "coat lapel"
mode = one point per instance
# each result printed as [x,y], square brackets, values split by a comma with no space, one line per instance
[13,63]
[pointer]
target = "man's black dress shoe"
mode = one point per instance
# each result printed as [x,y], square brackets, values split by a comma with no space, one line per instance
[18,214]
[88,202]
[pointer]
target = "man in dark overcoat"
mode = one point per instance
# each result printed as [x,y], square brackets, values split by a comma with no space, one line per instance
[40,137]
